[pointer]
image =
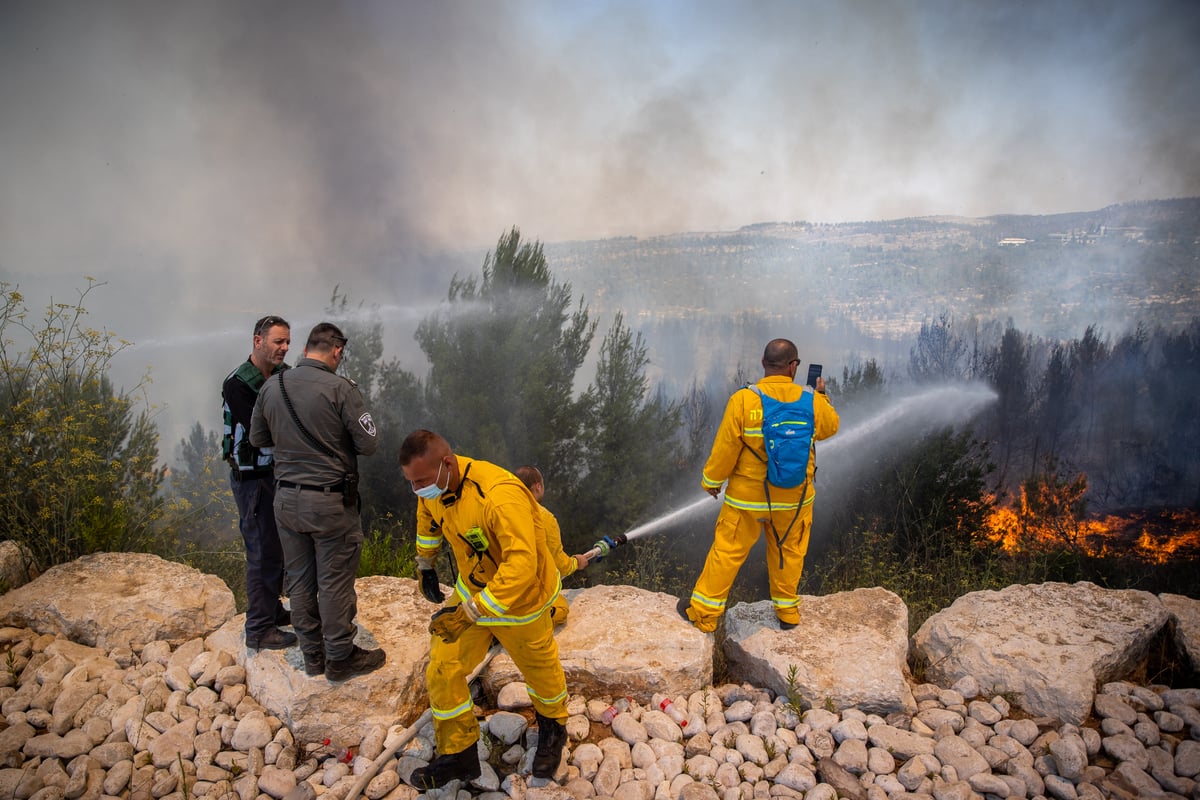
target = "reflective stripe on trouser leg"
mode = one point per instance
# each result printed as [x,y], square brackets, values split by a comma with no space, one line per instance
[784,580]
[535,652]
[735,533]
[454,724]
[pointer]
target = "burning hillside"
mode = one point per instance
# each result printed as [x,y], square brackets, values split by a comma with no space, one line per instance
[1154,536]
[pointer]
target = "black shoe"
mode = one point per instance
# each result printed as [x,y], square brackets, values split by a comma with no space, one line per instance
[284,618]
[462,766]
[314,664]
[273,639]
[787,626]
[682,607]
[359,662]
[552,736]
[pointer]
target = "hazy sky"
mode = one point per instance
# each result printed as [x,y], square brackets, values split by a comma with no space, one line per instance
[213,161]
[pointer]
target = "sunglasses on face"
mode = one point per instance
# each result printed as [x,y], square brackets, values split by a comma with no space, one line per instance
[266,323]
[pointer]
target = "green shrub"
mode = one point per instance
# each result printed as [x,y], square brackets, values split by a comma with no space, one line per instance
[386,552]
[79,464]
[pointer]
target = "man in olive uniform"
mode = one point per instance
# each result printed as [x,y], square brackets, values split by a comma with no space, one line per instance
[252,479]
[318,425]
[506,585]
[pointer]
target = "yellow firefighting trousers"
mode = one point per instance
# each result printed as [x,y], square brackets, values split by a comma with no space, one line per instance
[737,530]
[532,648]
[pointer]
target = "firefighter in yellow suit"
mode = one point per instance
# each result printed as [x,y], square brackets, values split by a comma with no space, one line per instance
[506,584]
[567,565]
[784,518]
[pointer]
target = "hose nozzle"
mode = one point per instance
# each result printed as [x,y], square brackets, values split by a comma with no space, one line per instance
[606,545]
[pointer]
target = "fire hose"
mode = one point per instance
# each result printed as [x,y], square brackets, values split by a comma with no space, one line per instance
[394,744]
[597,552]
[605,546]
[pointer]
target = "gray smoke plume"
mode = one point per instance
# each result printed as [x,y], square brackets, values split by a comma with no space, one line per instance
[216,161]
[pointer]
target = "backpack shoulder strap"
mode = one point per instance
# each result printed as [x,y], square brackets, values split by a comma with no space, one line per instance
[762,398]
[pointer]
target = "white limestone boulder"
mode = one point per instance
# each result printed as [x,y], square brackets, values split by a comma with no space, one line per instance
[1185,622]
[621,640]
[17,565]
[849,650]
[393,615]
[1047,645]
[109,600]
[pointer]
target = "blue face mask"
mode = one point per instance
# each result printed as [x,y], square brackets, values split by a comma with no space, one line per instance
[432,491]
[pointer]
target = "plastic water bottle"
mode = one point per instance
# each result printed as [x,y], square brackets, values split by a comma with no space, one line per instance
[338,752]
[664,704]
[619,706]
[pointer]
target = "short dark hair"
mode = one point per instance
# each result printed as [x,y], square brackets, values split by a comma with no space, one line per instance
[779,353]
[324,337]
[529,475]
[420,442]
[270,321]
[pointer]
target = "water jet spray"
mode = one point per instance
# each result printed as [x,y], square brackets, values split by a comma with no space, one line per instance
[954,401]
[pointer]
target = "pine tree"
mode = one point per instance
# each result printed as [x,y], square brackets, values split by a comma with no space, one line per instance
[503,356]
[633,446]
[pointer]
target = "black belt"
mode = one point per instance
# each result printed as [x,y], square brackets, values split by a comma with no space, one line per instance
[337,487]
[239,475]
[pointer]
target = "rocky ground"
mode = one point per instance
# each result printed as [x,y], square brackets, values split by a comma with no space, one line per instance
[83,722]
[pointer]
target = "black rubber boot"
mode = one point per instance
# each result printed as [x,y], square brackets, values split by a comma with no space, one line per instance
[359,662]
[682,608]
[314,664]
[462,766]
[552,736]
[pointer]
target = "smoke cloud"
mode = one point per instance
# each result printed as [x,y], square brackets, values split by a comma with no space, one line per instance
[216,161]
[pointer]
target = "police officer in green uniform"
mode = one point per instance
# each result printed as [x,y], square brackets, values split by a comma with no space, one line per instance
[318,425]
[252,480]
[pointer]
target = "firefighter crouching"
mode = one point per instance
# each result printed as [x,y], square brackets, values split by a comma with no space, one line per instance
[507,583]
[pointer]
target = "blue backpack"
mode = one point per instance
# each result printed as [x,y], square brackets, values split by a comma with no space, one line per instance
[787,431]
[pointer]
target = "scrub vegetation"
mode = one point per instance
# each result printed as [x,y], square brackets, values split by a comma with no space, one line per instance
[80,463]
[1078,427]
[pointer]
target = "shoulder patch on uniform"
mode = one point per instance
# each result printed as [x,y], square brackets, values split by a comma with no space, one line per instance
[367,423]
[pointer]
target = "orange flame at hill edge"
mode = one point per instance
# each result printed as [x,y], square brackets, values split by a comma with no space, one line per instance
[1155,536]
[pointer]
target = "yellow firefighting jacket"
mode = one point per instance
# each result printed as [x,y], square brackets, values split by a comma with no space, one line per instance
[740,433]
[565,564]
[499,544]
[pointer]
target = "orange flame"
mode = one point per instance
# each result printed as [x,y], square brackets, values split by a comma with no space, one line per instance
[1155,536]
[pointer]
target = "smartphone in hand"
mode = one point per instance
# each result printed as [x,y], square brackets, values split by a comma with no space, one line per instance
[814,372]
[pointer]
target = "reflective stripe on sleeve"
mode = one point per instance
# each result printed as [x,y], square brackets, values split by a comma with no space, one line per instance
[430,541]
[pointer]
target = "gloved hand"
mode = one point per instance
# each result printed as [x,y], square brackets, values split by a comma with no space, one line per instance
[430,586]
[450,622]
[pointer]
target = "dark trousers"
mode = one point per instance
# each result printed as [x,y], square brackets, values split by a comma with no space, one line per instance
[264,556]
[322,541]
